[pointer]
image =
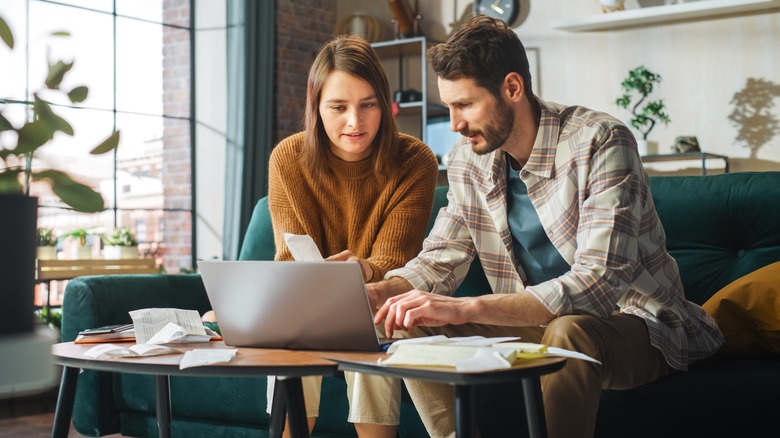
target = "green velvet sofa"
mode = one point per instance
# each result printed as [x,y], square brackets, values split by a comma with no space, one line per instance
[719,228]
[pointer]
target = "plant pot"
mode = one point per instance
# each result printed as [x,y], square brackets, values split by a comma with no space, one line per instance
[646,147]
[47,253]
[81,253]
[111,252]
[18,232]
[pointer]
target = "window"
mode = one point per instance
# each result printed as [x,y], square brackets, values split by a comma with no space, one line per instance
[135,57]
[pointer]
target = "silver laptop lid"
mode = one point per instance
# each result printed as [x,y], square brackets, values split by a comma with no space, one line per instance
[299,305]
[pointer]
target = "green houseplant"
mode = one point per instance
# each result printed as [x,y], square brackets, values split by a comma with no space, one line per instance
[637,87]
[120,244]
[81,251]
[47,243]
[18,210]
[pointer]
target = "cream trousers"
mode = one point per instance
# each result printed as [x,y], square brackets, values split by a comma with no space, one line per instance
[372,399]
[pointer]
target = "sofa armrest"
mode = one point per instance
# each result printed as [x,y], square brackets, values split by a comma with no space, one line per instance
[107,299]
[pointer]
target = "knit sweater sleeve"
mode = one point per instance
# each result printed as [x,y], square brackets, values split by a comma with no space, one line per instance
[405,221]
[282,165]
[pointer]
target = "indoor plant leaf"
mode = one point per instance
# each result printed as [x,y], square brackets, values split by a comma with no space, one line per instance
[9,181]
[5,125]
[46,115]
[5,34]
[79,196]
[56,74]
[32,136]
[107,145]
[78,94]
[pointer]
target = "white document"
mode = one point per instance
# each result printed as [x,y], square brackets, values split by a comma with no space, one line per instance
[474,353]
[202,357]
[527,350]
[302,247]
[186,326]
[462,358]
[109,351]
[473,341]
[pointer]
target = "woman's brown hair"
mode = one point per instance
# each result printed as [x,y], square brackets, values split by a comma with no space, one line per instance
[353,55]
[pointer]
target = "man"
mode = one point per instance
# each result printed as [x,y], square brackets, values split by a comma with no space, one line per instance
[556,204]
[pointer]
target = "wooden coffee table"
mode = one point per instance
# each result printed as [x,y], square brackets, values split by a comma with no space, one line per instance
[288,365]
[527,371]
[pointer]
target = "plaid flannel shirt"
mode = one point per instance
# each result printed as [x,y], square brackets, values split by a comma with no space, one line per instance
[587,184]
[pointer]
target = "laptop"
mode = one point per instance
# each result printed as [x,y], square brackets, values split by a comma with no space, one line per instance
[305,305]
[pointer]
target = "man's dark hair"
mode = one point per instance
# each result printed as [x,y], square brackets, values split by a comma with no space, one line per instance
[484,50]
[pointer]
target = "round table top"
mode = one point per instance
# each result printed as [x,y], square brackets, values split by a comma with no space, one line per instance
[246,362]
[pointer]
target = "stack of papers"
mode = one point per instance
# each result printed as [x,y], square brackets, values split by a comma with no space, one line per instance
[475,353]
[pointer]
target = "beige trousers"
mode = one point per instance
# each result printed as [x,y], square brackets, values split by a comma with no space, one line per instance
[571,395]
[372,399]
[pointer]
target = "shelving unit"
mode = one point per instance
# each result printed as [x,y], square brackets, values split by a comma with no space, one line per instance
[699,10]
[407,67]
[689,156]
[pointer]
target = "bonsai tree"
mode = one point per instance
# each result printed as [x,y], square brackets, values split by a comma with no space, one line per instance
[636,89]
[120,237]
[16,172]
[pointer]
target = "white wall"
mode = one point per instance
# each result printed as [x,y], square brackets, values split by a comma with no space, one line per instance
[702,64]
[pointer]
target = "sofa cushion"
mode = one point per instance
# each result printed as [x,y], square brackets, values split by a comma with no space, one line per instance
[748,312]
[720,227]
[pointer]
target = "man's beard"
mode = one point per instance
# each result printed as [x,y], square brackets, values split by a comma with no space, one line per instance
[496,132]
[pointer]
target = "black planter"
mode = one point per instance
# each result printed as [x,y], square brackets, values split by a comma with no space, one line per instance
[18,240]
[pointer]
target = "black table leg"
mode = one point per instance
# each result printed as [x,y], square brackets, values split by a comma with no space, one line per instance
[278,411]
[465,426]
[296,408]
[163,393]
[534,407]
[65,399]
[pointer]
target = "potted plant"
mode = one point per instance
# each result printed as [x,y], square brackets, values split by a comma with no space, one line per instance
[82,251]
[47,244]
[120,244]
[636,89]
[18,210]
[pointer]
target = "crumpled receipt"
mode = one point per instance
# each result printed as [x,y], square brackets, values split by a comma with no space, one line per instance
[175,334]
[110,351]
[206,356]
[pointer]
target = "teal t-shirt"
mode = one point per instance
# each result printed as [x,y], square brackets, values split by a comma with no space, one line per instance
[533,249]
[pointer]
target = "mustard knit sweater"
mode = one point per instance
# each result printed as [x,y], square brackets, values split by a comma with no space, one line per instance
[383,224]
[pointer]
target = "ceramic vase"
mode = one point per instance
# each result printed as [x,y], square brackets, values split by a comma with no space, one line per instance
[646,147]
[47,253]
[81,252]
[111,252]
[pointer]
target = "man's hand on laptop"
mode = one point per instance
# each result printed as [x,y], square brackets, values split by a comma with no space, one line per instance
[380,291]
[418,308]
[348,256]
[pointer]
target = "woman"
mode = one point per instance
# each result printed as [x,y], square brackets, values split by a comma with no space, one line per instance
[360,189]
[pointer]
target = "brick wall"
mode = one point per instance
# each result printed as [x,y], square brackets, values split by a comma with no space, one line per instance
[176,226]
[302,27]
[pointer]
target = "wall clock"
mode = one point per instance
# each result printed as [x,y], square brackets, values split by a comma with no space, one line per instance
[506,10]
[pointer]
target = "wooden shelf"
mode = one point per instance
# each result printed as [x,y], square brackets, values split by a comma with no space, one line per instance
[703,9]
[48,270]
[702,157]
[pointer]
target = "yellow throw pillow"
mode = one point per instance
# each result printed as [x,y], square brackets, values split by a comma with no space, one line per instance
[748,312]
